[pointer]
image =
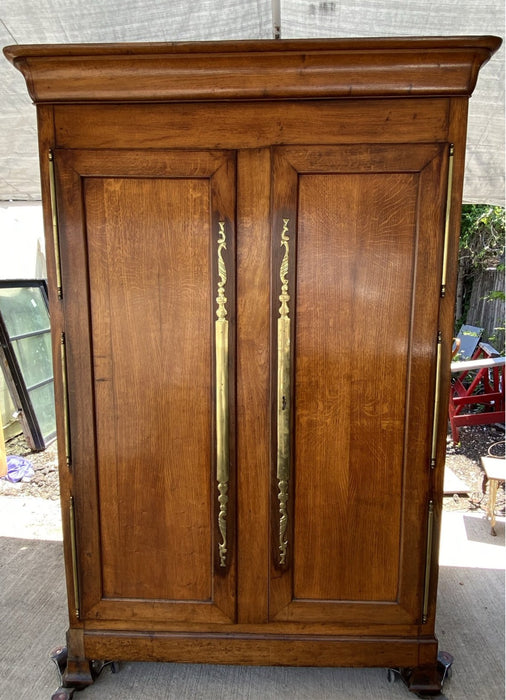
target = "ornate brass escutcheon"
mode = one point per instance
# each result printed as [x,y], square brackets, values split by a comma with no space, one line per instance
[283,398]
[222,410]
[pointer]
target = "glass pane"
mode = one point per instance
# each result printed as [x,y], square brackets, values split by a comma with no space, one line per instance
[43,405]
[34,357]
[23,310]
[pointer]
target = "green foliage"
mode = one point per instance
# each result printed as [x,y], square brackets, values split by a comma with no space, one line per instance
[481,237]
[497,295]
[482,243]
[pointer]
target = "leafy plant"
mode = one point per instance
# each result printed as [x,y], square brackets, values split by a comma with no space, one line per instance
[482,242]
[481,236]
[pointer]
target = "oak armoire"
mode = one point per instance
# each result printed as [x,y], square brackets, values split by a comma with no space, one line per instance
[252,265]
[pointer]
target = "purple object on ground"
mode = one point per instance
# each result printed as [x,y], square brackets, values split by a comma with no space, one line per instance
[19,468]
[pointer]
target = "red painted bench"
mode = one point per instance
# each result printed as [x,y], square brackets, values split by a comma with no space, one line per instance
[478,382]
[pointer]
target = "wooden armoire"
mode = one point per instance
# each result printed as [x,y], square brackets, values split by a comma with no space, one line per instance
[252,264]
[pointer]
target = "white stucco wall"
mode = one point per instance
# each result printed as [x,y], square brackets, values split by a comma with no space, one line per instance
[22,253]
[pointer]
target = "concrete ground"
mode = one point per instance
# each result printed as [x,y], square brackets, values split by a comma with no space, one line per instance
[33,621]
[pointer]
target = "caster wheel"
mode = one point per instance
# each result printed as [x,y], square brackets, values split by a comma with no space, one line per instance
[63,694]
[59,656]
[98,667]
[392,675]
[445,661]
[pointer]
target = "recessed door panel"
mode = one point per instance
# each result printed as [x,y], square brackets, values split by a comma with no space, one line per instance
[150,299]
[352,319]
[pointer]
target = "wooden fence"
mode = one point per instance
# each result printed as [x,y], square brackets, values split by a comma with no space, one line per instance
[485,312]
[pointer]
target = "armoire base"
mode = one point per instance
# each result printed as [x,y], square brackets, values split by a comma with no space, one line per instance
[416,662]
[254,649]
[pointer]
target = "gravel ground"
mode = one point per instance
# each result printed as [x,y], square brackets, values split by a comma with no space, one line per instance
[463,460]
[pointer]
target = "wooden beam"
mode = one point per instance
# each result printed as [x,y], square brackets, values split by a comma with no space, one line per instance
[467,365]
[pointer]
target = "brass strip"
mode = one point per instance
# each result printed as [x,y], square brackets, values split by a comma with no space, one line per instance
[54,217]
[428,561]
[283,398]
[222,409]
[66,422]
[73,548]
[437,401]
[447,221]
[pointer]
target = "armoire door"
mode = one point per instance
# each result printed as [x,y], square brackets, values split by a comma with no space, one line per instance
[358,236]
[147,247]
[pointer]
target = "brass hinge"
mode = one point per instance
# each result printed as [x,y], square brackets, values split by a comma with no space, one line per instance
[66,420]
[437,401]
[447,221]
[54,218]
[73,549]
[428,562]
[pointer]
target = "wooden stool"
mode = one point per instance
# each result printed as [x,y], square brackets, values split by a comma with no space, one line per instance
[495,472]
